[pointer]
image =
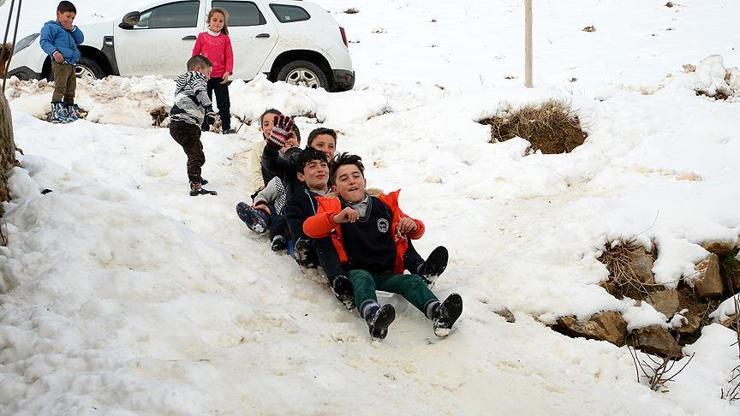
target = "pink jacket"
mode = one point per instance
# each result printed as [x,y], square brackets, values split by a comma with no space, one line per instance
[218,50]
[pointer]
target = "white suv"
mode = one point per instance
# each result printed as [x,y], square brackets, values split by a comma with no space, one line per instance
[293,41]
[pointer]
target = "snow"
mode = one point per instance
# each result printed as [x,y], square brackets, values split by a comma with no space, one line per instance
[123,295]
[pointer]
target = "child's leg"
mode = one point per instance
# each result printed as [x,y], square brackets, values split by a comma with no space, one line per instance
[209,89]
[363,285]
[412,287]
[224,105]
[188,136]
[69,95]
[61,75]
[411,259]
[328,258]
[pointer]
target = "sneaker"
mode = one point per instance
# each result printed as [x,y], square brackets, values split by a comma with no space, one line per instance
[254,218]
[435,264]
[379,321]
[196,189]
[279,243]
[303,253]
[446,314]
[342,289]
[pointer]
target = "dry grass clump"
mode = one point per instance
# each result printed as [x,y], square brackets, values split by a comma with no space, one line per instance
[551,127]
[589,28]
[159,114]
[624,280]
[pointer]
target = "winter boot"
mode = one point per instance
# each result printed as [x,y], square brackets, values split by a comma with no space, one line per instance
[196,189]
[342,289]
[203,182]
[254,218]
[379,320]
[435,264]
[70,110]
[58,113]
[303,253]
[445,315]
[278,243]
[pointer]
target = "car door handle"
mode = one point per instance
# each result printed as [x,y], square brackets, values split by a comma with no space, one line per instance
[191,37]
[263,35]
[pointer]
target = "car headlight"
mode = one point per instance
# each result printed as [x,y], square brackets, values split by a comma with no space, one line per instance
[25,42]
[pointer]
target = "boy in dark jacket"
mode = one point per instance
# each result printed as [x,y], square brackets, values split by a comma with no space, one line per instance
[59,39]
[370,235]
[186,116]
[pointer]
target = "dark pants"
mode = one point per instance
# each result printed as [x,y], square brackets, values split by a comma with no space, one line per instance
[222,100]
[65,83]
[411,259]
[188,136]
[412,287]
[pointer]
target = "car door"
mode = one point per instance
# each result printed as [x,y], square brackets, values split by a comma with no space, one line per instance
[162,40]
[252,35]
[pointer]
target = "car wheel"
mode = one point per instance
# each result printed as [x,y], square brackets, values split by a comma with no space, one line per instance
[303,73]
[88,69]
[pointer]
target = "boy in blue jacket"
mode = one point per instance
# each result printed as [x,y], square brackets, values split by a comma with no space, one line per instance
[59,39]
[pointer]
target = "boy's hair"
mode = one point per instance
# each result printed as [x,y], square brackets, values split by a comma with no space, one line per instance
[66,6]
[318,131]
[224,13]
[346,159]
[297,133]
[199,60]
[308,155]
[269,111]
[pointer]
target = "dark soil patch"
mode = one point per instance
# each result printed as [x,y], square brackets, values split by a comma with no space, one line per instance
[551,127]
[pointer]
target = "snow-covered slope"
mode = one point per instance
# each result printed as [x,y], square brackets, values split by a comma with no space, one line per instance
[123,295]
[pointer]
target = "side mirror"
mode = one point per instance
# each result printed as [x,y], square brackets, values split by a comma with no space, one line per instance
[130,20]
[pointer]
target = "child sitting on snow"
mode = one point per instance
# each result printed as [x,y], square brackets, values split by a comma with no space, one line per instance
[370,235]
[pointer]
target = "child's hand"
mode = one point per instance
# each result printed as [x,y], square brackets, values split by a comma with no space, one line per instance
[346,215]
[281,130]
[407,225]
[68,25]
[58,57]
[225,79]
[264,208]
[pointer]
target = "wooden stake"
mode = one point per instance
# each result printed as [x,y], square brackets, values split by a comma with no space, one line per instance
[528,43]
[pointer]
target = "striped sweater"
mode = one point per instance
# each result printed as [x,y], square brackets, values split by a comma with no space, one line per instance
[191,99]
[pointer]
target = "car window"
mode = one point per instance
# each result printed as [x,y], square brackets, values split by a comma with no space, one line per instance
[287,14]
[242,13]
[171,15]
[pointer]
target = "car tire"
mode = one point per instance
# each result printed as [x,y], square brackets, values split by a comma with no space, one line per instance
[88,68]
[303,73]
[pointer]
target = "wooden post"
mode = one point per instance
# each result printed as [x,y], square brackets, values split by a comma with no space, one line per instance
[528,43]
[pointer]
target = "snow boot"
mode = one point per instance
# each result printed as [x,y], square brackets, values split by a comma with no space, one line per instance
[196,189]
[379,320]
[254,218]
[278,243]
[70,110]
[342,289]
[435,264]
[446,314]
[303,253]
[58,113]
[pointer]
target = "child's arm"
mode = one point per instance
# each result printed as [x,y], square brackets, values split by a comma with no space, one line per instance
[319,225]
[411,227]
[229,58]
[198,47]
[77,35]
[268,194]
[46,40]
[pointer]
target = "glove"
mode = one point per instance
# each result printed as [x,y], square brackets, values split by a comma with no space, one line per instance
[211,116]
[281,130]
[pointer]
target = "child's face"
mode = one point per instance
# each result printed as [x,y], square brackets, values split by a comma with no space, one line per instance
[349,183]
[324,143]
[216,22]
[268,121]
[315,174]
[205,70]
[66,18]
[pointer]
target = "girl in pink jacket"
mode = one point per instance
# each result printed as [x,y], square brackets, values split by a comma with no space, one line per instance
[215,45]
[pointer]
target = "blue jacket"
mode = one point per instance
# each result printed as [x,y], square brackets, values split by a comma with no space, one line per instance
[56,38]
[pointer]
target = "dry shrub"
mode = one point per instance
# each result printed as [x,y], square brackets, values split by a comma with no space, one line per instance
[719,95]
[551,127]
[623,280]
[589,28]
[351,10]
[159,114]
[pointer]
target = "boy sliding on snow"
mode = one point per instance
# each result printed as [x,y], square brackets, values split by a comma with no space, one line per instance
[370,236]
[191,107]
[59,39]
